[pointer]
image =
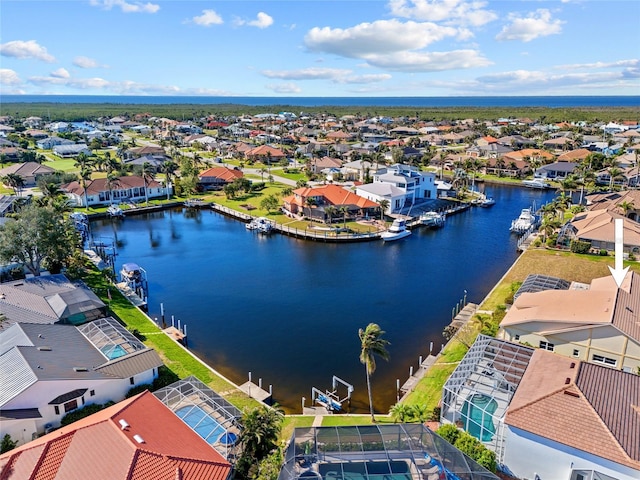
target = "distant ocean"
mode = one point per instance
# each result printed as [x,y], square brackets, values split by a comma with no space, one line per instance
[418,102]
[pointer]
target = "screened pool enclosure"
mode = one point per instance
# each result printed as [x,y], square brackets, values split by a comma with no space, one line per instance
[376,452]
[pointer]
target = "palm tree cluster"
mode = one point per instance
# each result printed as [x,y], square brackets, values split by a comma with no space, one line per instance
[259,438]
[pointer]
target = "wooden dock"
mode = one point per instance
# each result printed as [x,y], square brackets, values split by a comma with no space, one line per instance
[132,296]
[468,311]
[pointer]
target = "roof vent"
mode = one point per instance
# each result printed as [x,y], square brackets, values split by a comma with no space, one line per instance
[40,335]
[123,424]
[572,394]
[567,381]
[573,365]
[44,349]
[80,369]
[138,438]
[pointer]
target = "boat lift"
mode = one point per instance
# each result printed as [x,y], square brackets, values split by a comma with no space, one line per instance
[330,399]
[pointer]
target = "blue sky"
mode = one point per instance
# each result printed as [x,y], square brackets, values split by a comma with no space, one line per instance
[320,48]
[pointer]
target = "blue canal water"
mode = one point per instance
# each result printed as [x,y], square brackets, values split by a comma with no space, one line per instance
[289,310]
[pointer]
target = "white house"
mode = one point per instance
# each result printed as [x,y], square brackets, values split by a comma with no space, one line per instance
[67,151]
[48,371]
[130,188]
[401,186]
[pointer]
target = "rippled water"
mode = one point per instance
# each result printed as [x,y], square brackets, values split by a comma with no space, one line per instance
[289,310]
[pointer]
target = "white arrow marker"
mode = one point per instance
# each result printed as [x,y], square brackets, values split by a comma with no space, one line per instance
[618,272]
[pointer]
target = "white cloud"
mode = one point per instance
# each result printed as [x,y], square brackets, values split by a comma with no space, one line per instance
[429,61]
[29,49]
[307,74]
[366,79]
[9,77]
[262,21]
[447,11]
[379,37]
[126,7]
[86,62]
[208,18]
[284,88]
[535,24]
[620,63]
[60,73]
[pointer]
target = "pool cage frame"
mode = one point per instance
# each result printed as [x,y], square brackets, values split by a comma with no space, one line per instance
[374,452]
[191,392]
[492,368]
[106,334]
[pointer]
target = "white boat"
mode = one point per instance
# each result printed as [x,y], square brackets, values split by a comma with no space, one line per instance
[432,219]
[487,202]
[396,231]
[261,224]
[115,211]
[536,183]
[524,222]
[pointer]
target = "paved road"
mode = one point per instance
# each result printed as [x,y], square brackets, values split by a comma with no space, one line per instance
[256,171]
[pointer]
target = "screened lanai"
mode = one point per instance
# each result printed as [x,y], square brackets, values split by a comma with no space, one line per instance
[376,452]
[111,338]
[478,392]
[538,283]
[205,411]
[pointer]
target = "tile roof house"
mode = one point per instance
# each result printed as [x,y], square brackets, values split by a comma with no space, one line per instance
[218,176]
[570,419]
[30,172]
[130,188]
[49,299]
[314,201]
[50,370]
[265,154]
[596,323]
[597,227]
[136,439]
[612,201]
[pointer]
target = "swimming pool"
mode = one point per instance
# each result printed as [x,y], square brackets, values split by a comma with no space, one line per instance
[477,415]
[112,351]
[202,423]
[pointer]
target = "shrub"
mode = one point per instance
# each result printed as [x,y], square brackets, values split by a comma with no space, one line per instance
[138,389]
[435,414]
[83,412]
[165,377]
[577,246]
[449,432]
[603,252]
[7,443]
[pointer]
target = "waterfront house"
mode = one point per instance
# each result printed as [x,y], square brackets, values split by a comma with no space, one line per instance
[574,155]
[376,452]
[573,420]
[265,154]
[597,227]
[413,184]
[595,323]
[614,202]
[30,172]
[138,438]
[48,299]
[555,170]
[130,188]
[314,203]
[51,370]
[217,177]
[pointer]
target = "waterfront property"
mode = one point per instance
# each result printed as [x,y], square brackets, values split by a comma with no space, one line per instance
[595,323]
[375,452]
[30,172]
[48,371]
[130,188]
[137,438]
[217,177]
[573,420]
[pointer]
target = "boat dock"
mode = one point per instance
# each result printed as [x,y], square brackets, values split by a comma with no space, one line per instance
[132,296]
[256,392]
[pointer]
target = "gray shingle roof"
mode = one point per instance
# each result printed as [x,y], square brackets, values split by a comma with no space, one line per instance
[15,375]
[132,364]
[19,413]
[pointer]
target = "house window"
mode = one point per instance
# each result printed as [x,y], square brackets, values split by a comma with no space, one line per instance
[131,381]
[56,409]
[576,352]
[604,360]
[547,346]
[92,393]
[69,406]
[516,338]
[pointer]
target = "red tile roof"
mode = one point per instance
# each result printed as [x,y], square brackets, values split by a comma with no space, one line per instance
[223,173]
[335,195]
[98,447]
[264,150]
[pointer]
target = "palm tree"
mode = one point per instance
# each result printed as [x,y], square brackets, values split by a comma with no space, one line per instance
[148,173]
[85,174]
[330,211]
[401,412]
[344,209]
[310,202]
[384,205]
[113,180]
[626,206]
[372,344]
[15,181]
[259,437]
[169,169]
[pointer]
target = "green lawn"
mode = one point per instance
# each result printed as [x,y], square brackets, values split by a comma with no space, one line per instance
[62,164]
[294,421]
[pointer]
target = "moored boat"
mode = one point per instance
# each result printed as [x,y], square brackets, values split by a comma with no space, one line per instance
[536,183]
[261,224]
[487,202]
[432,219]
[115,211]
[396,231]
[524,222]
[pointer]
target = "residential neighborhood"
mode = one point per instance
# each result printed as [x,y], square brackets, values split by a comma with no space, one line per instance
[551,393]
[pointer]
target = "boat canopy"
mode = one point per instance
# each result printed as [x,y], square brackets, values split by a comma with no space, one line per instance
[130,267]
